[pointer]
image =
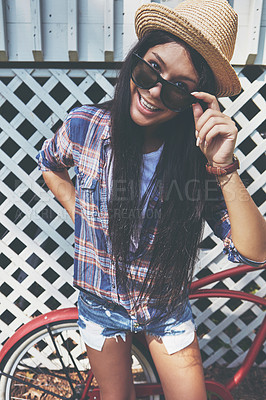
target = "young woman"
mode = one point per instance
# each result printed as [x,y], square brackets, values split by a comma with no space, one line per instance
[147,164]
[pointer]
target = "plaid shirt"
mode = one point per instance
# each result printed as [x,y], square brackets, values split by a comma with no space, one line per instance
[81,142]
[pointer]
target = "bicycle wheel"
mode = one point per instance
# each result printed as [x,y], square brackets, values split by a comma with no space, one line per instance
[50,363]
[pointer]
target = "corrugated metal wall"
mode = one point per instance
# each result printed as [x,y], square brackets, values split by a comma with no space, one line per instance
[102,30]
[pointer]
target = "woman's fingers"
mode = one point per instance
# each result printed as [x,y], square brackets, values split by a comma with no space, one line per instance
[197,112]
[214,132]
[200,117]
[208,99]
[223,125]
[211,116]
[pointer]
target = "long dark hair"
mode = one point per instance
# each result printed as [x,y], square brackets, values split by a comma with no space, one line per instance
[181,172]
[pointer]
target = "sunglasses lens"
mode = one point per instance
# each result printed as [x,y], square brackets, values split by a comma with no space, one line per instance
[175,98]
[143,75]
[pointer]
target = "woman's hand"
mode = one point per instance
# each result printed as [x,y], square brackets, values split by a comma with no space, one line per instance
[215,132]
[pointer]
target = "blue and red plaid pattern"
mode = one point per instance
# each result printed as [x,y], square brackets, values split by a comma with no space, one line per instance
[81,142]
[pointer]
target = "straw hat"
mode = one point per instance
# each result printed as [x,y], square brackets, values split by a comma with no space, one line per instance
[209,26]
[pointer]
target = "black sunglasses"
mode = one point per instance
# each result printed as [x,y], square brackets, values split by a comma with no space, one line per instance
[173,95]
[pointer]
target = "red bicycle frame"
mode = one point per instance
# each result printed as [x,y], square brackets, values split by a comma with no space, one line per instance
[197,292]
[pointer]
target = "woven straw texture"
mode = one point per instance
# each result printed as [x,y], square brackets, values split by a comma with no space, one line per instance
[209,27]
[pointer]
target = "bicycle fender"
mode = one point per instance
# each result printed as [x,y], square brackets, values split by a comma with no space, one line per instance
[37,322]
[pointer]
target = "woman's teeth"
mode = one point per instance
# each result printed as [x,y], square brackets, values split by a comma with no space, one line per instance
[148,105]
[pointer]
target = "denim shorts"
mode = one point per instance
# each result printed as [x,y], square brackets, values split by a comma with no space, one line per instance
[100,319]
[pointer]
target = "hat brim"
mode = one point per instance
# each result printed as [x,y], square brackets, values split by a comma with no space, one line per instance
[154,16]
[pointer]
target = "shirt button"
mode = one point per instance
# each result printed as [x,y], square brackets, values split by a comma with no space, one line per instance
[136,324]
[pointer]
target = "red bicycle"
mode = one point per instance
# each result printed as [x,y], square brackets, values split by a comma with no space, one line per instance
[46,358]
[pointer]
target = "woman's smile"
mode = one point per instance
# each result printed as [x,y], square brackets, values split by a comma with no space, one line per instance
[148,106]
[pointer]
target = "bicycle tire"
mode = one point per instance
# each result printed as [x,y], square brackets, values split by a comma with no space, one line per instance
[36,368]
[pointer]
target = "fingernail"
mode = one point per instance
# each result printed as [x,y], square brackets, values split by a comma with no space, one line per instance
[194,93]
[205,144]
[196,133]
[198,141]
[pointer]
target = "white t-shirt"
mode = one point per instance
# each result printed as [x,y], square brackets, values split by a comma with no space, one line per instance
[150,161]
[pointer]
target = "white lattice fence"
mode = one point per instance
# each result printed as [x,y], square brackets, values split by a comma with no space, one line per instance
[227,328]
[36,247]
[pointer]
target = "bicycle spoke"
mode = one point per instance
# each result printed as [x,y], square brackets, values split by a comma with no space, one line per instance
[34,374]
[71,358]
[38,370]
[61,360]
[32,385]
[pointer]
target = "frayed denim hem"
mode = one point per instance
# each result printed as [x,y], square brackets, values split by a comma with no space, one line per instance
[173,344]
[93,334]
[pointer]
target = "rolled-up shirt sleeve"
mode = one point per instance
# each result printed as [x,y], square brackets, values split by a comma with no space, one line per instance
[57,153]
[218,219]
